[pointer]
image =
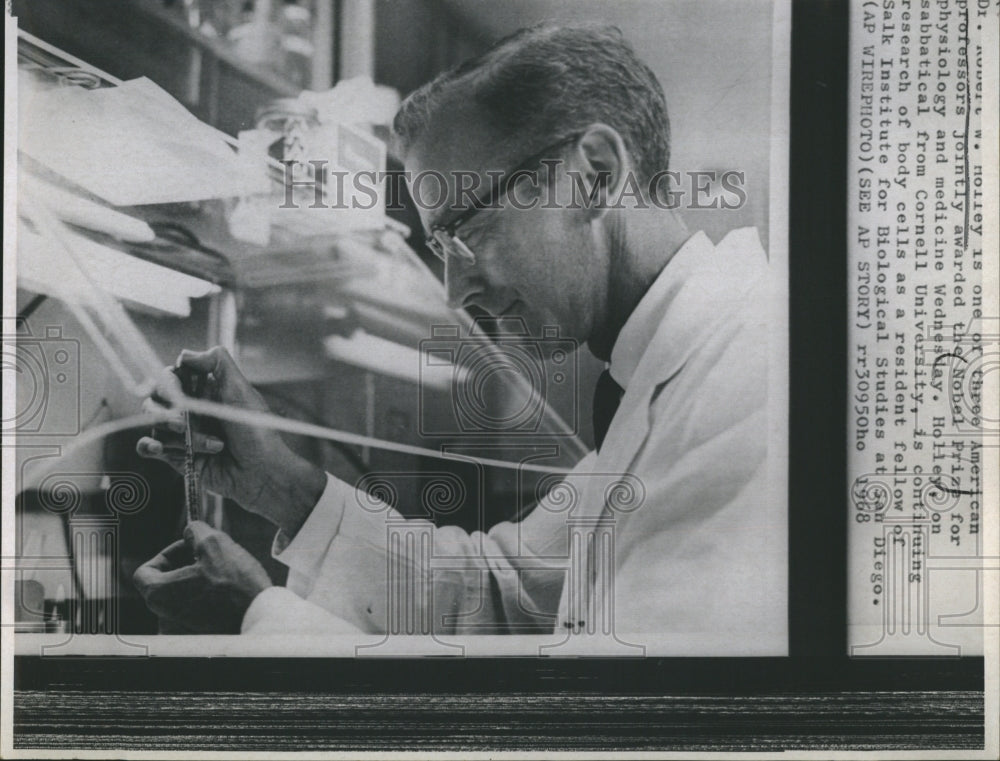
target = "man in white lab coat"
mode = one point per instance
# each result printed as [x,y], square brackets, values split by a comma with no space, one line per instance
[674,536]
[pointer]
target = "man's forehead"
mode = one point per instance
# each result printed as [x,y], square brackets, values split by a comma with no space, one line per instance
[456,144]
[458,137]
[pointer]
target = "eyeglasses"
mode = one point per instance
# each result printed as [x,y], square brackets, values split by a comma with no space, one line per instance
[443,239]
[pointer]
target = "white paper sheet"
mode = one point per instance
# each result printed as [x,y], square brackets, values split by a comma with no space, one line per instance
[130,145]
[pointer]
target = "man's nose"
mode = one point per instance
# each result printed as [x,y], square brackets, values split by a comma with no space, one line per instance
[460,282]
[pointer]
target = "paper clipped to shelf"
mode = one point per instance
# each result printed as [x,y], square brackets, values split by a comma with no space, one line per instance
[130,145]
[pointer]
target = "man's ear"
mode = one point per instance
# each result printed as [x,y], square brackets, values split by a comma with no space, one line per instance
[602,163]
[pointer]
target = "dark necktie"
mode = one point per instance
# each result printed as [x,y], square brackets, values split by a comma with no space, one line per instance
[607,397]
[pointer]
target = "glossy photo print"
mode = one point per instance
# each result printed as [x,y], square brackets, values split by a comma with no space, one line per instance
[531,376]
[488,363]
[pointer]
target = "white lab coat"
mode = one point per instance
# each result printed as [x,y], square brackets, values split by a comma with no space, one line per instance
[675,533]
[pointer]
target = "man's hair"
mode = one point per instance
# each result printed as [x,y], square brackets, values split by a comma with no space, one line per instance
[542,83]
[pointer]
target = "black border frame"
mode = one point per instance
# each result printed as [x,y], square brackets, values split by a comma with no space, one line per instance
[656,704]
[817,698]
[817,284]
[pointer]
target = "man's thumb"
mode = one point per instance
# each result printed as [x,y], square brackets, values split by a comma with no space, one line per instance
[195,533]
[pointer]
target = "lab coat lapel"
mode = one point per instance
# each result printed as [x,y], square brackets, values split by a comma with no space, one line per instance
[709,275]
[626,434]
[592,526]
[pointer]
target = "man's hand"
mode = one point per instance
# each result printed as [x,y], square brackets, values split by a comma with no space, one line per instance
[205,582]
[248,464]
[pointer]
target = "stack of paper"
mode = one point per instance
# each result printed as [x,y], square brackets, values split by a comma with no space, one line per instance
[130,145]
[41,268]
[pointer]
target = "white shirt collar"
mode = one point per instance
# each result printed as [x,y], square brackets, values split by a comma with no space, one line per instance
[645,319]
[740,249]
